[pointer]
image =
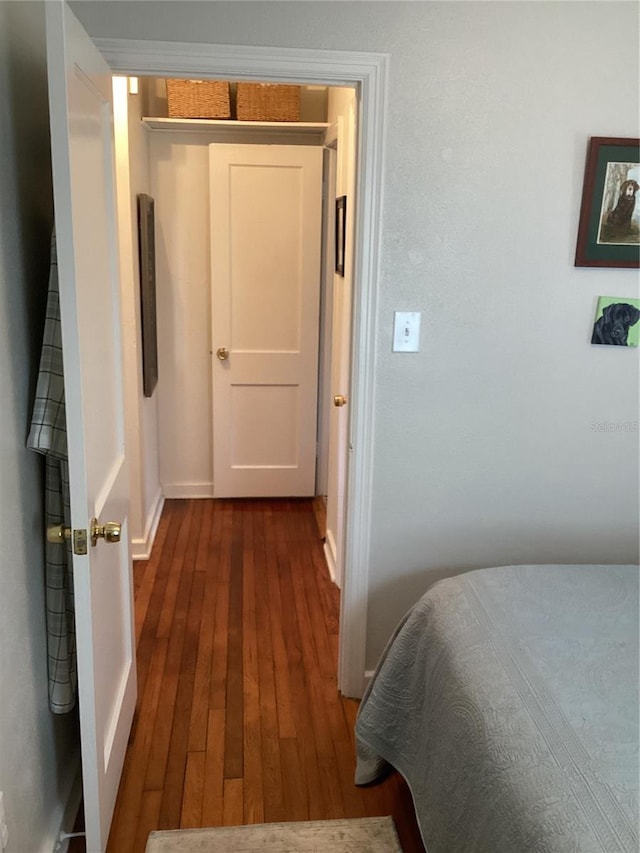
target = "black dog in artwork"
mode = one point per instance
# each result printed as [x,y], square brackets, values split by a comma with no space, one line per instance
[620,216]
[613,327]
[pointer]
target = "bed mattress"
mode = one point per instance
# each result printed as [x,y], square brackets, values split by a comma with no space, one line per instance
[508,699]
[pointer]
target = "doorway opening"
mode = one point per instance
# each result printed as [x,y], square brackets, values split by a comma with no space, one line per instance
[273,293]
[368,74]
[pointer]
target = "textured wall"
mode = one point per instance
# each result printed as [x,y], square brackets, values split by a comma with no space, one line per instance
[36,748]
[485,452]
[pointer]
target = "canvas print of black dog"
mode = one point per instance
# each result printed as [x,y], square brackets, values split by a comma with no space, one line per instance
[613,327]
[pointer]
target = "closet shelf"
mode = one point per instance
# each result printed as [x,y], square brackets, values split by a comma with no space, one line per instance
[307,131]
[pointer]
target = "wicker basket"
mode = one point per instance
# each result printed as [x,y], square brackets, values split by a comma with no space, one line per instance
[267,102]
[198,99]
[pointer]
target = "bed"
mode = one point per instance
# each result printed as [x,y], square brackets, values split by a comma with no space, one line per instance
[508,700]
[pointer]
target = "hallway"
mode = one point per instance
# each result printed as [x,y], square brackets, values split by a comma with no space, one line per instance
[238,718]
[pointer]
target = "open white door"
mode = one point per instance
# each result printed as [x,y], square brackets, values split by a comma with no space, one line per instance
[341,355]
[82,157]
[266,213]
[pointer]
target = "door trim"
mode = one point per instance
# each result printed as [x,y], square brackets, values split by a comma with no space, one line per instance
[369,73]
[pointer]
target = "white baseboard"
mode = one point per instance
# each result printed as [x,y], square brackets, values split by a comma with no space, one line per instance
[64,815]
[187,490]
[329,555]
[141,548]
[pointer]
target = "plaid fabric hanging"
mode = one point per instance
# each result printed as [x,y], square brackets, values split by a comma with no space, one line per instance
[48,436]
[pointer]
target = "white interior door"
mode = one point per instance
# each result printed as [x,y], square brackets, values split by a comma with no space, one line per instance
[339,424]
[82,157]
[338,429]
[266,211]
[326,319]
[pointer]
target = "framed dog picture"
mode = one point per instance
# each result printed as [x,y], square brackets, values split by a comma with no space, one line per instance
[147,250]
[609,229]
[617,322]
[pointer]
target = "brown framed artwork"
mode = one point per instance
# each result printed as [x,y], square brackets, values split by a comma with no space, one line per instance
[147,256]
[609,228]
[341,233]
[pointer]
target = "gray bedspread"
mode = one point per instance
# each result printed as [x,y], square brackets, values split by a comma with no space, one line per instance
[508,700]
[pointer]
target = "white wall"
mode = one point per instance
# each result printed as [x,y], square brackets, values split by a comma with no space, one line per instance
[38,751]
[141,183]
[484,448]
[141,413]
[180,186]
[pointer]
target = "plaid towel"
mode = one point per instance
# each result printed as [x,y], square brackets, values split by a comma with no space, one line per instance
[48,436]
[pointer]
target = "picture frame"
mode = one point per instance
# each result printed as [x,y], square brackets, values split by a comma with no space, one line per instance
[617,321]
[147,260]
[341,232]
[609,226]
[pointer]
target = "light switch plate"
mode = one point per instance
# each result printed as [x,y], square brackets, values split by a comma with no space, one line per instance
[406,331]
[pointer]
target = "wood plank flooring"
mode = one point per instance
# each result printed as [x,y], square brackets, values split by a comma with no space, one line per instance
[239,719]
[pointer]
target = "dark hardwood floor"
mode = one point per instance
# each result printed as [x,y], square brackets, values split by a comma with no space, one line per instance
[239,719]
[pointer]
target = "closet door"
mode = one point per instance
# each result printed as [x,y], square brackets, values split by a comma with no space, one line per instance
[266,211]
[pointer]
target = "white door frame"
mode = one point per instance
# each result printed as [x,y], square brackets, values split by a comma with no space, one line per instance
[368,72]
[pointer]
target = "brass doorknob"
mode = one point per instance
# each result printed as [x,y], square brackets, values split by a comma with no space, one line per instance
[339,400]
[110,531]
[222,353]
[58,534]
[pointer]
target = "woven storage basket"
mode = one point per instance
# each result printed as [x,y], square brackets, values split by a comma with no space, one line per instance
[198,99]
[267,102]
